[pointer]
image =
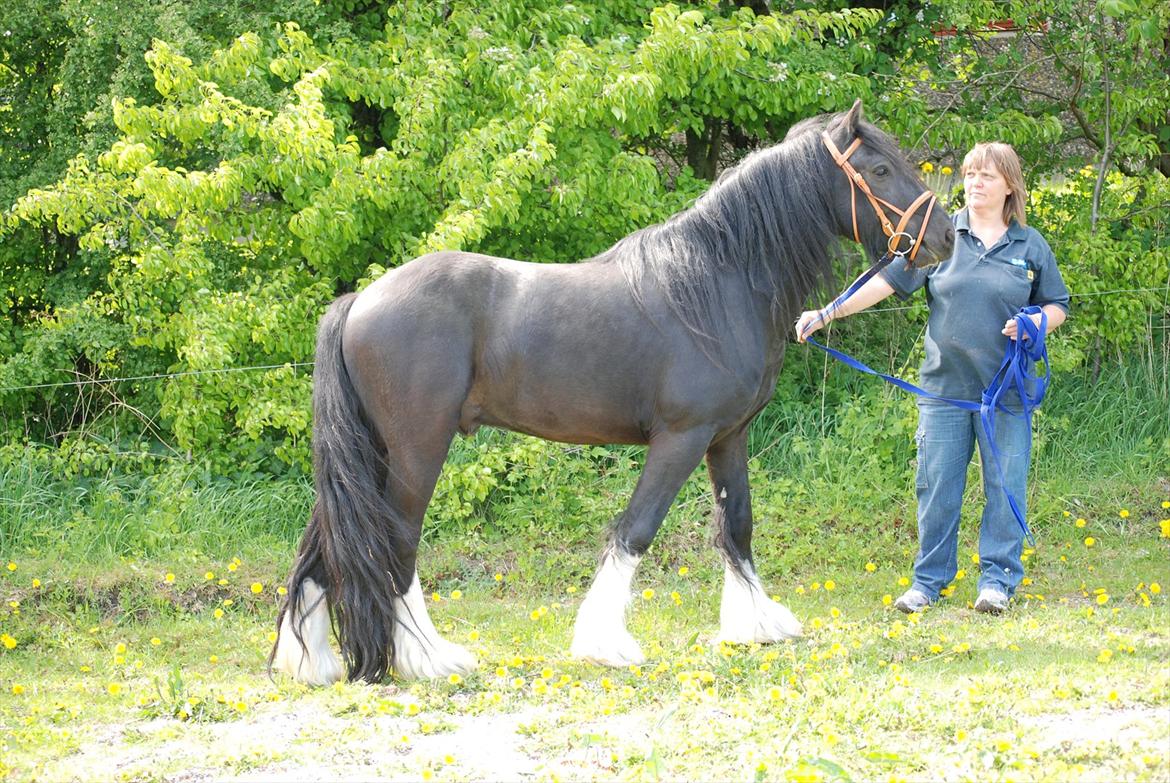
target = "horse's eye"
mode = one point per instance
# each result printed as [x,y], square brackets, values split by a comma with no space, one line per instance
[881,171]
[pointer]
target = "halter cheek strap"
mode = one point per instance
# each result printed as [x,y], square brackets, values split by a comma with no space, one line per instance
[856,181]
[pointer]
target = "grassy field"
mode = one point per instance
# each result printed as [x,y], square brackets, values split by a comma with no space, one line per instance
[154,670]
[138,612]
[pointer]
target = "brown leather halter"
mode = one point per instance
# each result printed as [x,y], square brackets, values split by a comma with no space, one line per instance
[857,181]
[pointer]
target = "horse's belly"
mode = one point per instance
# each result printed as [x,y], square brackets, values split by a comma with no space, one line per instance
[568,425]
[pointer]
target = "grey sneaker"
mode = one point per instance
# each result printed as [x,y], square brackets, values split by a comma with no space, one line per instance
[991,601]
[912,601]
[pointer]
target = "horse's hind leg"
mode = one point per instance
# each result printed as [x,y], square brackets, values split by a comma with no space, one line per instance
[600,634]
[416,449]
[746,613]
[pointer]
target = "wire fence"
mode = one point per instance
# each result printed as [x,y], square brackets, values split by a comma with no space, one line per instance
[292,365]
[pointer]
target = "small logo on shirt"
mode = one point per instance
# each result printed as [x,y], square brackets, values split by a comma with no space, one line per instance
[1020,262]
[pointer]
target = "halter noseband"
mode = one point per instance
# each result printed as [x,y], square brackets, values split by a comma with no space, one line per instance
[857,181]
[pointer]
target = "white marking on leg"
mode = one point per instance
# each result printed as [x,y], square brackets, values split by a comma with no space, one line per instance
[419,651]
[600,634]
[315,663]
[748,615]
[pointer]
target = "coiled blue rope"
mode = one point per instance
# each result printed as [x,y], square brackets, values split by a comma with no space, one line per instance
[1017,371]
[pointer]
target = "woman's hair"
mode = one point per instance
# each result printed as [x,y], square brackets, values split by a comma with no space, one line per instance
[1004,159]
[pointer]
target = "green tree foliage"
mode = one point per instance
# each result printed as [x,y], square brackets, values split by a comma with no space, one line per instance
[282,169]
[190,185]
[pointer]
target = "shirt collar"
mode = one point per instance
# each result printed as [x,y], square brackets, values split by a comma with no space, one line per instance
[1014,230]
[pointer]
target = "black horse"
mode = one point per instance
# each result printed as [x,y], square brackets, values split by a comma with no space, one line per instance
[672,338]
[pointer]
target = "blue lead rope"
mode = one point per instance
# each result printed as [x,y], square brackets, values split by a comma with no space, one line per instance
[1016,372]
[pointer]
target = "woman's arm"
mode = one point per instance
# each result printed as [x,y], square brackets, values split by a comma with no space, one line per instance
[868,295]
[1055,313]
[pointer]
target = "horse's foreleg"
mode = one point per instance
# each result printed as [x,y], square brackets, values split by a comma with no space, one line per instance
[600,634]
[746,613]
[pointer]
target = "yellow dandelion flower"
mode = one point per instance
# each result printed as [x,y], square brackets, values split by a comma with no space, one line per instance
[799,590]
[282,590]
[1104,656]
[1090,541]
[213,659]
[1166,504]
[974,558]
[683,571]
[36,583]
[647,594]
[947,171]
[674,596]
[257,588]
[1165,526]
[412,709]
[428,773]
[272,636]
[120,648]
[815,586]
[927,167]
[498,577]
[535,614]
[232,566]
[1123,513]
[454,678]
[114,688]
[1155,588]
[218,613]
[241,706]
[154,640]
[835,612]
[228,602]
[1102,599]
[169,578]
[84,669]
[775,694]
[436,597]
[1112,696]
[903,582]
[473,636]
[456,595]
[17,690]
[870,567]
[887,599]
[448,759]
[11,566]
[7,641]
[209,575]
[830,584]
[571,589]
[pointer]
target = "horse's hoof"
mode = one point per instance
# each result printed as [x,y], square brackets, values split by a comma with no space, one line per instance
[618,652]
[433,660]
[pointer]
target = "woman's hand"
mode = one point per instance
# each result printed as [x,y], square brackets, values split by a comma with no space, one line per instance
[1010,329]
[809,322]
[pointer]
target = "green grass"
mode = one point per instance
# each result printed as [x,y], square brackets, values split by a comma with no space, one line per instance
[867,695]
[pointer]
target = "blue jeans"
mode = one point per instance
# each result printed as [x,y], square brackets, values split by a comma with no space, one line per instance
[946,439]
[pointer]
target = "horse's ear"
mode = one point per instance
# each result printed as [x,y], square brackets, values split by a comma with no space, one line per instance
[852,118]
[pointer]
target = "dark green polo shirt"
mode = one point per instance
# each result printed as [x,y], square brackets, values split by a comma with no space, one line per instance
[970,296]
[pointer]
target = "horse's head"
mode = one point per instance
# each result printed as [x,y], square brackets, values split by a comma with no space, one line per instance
[878,197]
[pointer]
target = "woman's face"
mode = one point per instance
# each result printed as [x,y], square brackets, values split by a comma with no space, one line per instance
[986,189]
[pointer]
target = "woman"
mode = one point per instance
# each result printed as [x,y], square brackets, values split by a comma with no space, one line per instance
[999,265]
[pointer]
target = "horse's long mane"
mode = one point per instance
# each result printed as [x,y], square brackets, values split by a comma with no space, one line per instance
[769,219]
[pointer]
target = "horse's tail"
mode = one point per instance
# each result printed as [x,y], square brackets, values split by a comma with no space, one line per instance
[356,543]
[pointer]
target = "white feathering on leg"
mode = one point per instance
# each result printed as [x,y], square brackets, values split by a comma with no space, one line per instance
[600,633]
[419,651]
[315,663]
[747,614]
